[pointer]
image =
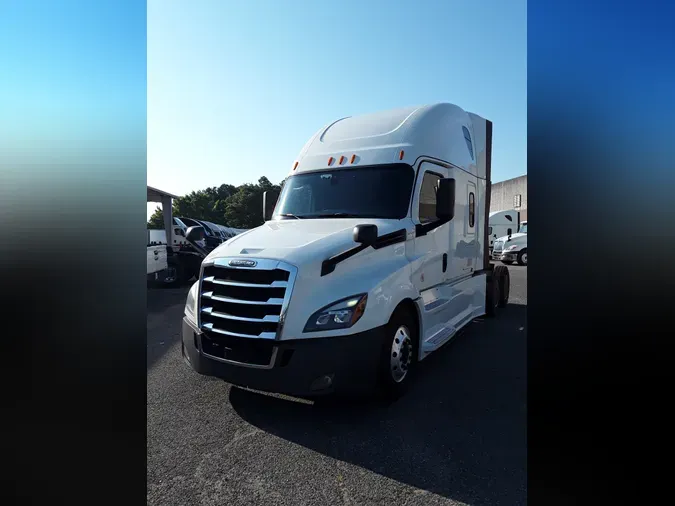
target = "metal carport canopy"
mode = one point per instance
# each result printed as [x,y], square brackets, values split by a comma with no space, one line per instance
[165,198]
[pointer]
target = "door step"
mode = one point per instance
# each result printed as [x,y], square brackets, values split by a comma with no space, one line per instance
[438,339]
[447,331]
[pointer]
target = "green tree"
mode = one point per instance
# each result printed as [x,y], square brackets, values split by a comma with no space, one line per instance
[244,208]
[156,221]
[237,207]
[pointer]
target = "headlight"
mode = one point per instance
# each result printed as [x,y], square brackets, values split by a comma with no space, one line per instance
[191,304]
[339,315]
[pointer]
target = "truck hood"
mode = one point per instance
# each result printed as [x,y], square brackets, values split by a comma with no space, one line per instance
[513,236]
[299,241]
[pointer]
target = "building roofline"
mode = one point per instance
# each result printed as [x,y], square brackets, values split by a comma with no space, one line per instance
[159,193]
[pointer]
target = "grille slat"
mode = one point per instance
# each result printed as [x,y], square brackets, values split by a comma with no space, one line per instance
[262,335]
[253,276]
[275,284]
[257,294]
[244,302]
[270,318]
[270,302]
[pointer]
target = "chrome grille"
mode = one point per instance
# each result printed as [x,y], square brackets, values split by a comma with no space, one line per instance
[244,301]
[498,246]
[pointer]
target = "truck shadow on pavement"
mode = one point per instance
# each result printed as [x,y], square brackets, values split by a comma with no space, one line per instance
[163,322]
[459,432]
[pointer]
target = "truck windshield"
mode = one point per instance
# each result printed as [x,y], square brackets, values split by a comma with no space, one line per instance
[523,229]
[381,191]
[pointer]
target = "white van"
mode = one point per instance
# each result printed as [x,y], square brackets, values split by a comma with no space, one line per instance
[375,255]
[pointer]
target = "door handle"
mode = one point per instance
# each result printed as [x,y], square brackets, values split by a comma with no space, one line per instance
[445,261]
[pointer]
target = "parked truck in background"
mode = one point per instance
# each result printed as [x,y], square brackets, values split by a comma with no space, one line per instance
[156,259]
[501,223]
[374,256]
[182,258]
[512,247]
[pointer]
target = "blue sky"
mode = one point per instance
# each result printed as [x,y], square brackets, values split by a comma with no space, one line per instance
[75,77]
[235,89]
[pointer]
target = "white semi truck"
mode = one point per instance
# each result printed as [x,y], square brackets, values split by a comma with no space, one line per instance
[374,256]
[501,223]
[512,247]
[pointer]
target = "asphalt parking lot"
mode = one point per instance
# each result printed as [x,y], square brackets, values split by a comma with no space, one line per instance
[457,437]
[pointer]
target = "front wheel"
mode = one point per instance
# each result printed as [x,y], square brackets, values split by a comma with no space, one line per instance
[398,354]
[522,257]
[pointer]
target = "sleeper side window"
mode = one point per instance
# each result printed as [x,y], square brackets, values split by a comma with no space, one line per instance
[427,208]
[472,210]
[467,138]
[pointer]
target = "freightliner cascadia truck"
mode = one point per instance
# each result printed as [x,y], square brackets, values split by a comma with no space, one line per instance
[374,255]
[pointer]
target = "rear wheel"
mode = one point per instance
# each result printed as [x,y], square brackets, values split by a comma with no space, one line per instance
[175,274]
[522,257]
[492,295]
[504,281]
[398,354]
[190,270]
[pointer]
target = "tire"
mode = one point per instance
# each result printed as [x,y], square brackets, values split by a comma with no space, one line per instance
[186,274]
[522,257]
[492,296]
[190,267]
[504,281]
[175,275]
[398,356]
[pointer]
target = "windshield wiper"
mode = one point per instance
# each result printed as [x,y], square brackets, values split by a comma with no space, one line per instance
[336,215]
[289,215]
[344,215]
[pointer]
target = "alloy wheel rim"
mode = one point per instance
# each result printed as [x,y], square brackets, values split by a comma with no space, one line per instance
[401,354]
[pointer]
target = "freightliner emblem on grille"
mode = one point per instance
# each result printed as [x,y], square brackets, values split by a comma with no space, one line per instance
[243,263]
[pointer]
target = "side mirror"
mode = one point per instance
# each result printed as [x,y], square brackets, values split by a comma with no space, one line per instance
[269,201]
[195,234]
[445,199]
[365,234]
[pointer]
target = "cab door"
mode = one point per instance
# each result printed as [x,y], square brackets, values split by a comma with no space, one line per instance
[464,236]
[430,253]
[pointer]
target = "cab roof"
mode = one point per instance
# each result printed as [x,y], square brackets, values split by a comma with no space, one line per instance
[443,131]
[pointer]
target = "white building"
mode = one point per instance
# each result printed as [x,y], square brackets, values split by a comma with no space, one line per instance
[510,194]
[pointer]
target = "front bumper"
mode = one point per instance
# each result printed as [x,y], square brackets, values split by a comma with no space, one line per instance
[509,256]
[299,367]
